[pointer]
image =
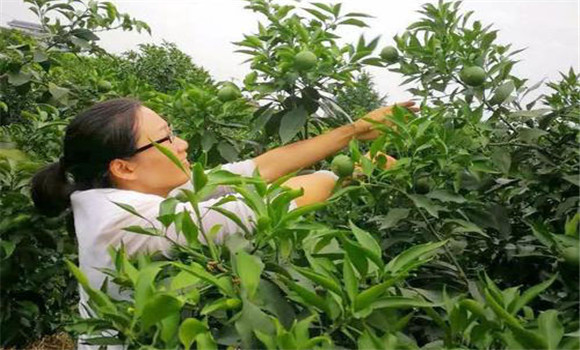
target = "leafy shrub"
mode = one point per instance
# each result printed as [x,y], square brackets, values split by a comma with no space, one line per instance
[163,67]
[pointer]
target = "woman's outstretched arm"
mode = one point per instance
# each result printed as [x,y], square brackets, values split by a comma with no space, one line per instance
[302,154]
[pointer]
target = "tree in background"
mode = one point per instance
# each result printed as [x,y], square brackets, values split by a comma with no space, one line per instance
[361,97]
[163,67]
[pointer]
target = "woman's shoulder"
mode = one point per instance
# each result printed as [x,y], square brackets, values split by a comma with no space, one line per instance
[104,199]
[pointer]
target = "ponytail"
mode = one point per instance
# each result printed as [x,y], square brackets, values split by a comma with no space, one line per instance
[104,132]
[50,189]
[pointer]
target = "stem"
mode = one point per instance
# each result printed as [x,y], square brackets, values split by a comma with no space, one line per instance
[517,144]
[433,232]
[447,252]
[202,230]
[489,107]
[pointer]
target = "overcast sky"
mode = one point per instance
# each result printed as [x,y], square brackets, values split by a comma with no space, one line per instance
[205,29]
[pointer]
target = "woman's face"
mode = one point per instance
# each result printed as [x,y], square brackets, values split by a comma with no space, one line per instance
[150,170]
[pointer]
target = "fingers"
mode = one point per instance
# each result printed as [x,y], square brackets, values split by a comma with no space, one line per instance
[405,104]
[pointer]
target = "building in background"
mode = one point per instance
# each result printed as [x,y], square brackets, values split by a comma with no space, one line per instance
[30,28]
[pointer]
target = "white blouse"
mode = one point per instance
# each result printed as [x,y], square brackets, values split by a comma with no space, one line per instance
[99,224]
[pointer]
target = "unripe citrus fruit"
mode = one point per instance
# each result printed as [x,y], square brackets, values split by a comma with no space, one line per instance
[390,54]
[233,303]
[104,85]
[227,93]
[472,76]
[502,93]
[342,166]
[305,60]
[422,185]
[572,256]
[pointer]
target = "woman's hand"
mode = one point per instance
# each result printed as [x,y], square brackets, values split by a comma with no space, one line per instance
[364,131]
[384,159]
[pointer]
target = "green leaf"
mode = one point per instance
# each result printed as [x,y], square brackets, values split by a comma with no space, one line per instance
[322,17]
[358,14]
[292,122]
[84,34]
[324,281]
[354,22]
[149,231]
[502,160]
[253,200]
[573,179]
[227,151]
[8,247]
[393,217]
[81,43]
[571,226]
[368,296]
[167,211]
[350,279]
[183,280]
[249,268]
[366,240]
[144,286]
[57,92]
[199,177]
[221,304]
[445,196]
[99,298]
[530,294]
[197,270]
[301,211]
[19,78]
[531,135]
[169,154]
[527,338]
[465,226]
[104,341]
[232,216]
[550,328]
[40,56]
[420,253]
[266,339]
[501,312]
[129,208]
[475,308]
[399,303]
[159,307]
[540,231]
[502,93]
[205,341]
[189,329]
[310,298]
[423,202]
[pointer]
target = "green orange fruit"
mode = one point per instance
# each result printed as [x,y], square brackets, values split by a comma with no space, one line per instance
[233,303]
[571,256]
[227,93]
[342,166]
[390,54]
[472,76]
[305,60]
[502,93]
[104,85]
[422,185]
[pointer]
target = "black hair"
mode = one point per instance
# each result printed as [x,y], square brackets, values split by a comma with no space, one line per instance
[101,133]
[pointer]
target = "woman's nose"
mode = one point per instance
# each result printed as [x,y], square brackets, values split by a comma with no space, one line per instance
[182,145]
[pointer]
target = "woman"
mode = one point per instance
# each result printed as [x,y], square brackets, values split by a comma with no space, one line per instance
[108,157]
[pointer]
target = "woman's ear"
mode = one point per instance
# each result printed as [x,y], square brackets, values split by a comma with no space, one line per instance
[122,170]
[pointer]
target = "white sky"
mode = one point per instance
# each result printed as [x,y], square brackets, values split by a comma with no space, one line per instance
[205,29]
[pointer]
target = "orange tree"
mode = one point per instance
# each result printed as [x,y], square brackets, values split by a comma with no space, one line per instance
[470,241]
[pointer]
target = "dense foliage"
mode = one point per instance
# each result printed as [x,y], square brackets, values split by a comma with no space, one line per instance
[470,241]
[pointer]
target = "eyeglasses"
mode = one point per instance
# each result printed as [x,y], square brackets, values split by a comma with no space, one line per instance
[170,138]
